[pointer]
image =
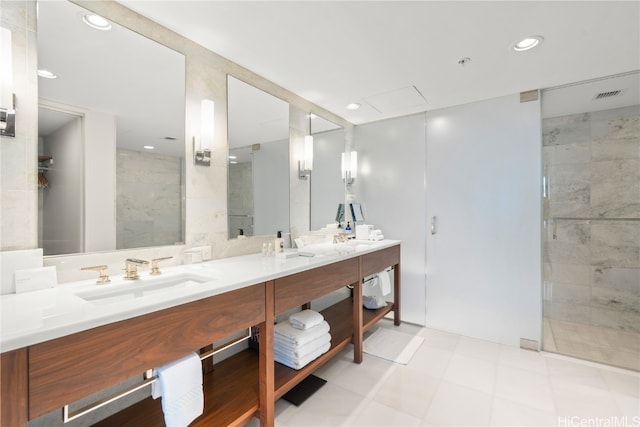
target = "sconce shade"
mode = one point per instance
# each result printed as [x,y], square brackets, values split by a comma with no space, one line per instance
[308,152]
[349,166]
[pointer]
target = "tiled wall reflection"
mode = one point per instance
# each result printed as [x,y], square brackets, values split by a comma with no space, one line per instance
[592,235]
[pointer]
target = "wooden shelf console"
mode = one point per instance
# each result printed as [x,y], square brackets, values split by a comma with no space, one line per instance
[47,376]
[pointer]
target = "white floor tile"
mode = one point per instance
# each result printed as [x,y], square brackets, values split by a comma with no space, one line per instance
[471,372]
[479,349]
[408,390]
[508,413]
[439,339]
[377,414]
[329,406]
[524,387]
[455,405]
[432,361]
[522,359]
[623,384]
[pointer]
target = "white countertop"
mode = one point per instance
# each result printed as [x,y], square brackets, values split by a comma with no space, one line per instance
[34,317]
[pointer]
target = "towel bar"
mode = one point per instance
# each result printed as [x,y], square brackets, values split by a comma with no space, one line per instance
[149,379]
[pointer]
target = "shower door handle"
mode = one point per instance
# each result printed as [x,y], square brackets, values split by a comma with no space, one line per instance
[433,225]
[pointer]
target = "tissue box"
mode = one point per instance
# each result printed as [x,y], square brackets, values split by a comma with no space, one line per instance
[363,231]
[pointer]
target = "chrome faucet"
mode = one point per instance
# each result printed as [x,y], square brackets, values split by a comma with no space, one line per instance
[131,268]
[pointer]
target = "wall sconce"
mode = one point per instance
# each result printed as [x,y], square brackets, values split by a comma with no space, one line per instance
[349,167]
[203,154]
[305,166]
[7,98]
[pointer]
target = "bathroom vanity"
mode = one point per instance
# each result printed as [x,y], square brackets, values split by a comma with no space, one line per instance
[99,338]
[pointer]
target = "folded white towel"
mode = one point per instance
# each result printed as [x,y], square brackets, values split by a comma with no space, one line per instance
[385,283]
[299,363]
[298,337]
[286,349]
[306,319]
[180,385]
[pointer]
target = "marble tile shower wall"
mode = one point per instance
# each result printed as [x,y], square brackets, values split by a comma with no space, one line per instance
[592,267]
[148,199]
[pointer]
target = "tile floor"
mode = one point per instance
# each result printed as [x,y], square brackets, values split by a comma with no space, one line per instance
[595,343]
[454,381]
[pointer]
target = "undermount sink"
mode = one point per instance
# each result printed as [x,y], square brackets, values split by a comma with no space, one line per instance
[143,287]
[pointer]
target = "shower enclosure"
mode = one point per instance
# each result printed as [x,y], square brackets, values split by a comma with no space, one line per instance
[591,212]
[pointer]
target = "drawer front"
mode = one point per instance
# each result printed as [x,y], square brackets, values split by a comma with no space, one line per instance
[66,369]
[297,289]
[378,261]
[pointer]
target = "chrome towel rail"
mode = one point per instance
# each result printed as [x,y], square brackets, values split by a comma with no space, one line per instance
[150,378]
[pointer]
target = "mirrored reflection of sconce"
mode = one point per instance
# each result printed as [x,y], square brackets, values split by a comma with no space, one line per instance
[203,153]
[349,167]
[7,98]
[305,165]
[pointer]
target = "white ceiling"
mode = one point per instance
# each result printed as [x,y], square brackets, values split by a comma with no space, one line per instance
[380,53]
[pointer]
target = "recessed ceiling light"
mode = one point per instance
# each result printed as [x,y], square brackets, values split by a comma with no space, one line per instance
[97,22]
[353,106]
[149,147]
[528,43]
[232,157]
[47,74]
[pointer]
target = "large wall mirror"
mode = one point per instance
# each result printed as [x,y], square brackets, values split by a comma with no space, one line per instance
[258,173]
[327,186]
[111,136]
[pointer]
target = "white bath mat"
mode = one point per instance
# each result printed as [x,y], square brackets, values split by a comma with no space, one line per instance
[392,345]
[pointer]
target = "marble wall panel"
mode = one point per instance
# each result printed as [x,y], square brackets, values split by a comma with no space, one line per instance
[148,199]
[623,279]
[566,130]
[567,273]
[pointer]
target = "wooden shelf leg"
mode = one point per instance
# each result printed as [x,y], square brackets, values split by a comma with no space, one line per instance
[396,294]
[266,362]
[358,327]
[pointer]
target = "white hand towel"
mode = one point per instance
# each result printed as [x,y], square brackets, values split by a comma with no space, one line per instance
[299,363]
[299,337]
[286,349]
[385,283]
[180,385]
[306,319]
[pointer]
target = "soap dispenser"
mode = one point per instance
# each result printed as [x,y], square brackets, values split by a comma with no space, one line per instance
[347,229]
[241,234]
[278,245]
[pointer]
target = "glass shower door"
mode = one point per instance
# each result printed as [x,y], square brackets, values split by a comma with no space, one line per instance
[591,211]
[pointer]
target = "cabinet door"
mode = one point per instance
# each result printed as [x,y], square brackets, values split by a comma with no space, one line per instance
[297,289]
[66,369]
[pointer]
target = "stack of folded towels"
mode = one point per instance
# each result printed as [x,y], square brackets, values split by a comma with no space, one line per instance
[301,339]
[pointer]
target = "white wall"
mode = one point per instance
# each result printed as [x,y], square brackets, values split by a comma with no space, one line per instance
[484,187]
[100,181]
[63,197]
[391,186]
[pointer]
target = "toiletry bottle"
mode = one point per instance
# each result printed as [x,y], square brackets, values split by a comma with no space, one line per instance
[278,245]
[347,229]
[241,234]
[264,249]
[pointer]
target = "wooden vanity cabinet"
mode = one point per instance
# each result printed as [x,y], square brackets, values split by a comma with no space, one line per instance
[49,375]
[66,369]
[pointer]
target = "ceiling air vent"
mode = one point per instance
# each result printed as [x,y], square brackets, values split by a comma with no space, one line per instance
[608,94]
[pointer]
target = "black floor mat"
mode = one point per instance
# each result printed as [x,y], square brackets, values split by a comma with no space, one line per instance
[304,390]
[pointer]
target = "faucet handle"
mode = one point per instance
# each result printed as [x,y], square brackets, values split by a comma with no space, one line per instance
[102,269]
[155,270]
